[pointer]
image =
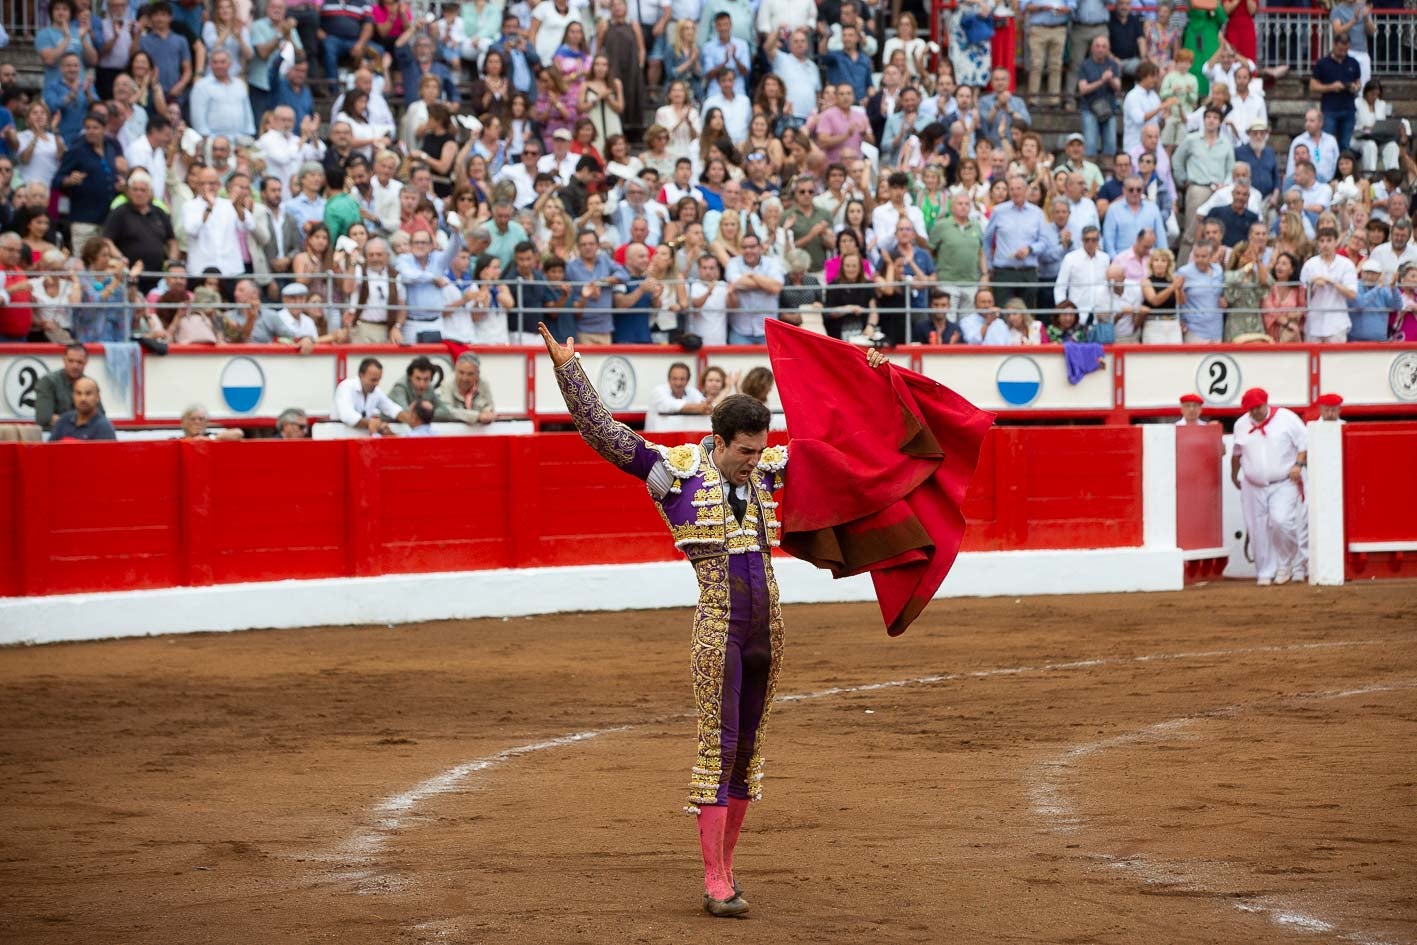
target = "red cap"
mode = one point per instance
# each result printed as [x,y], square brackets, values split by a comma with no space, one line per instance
[1329,400]
[1254,397]
[1192,399]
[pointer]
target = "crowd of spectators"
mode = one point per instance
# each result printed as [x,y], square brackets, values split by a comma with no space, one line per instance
[688,169]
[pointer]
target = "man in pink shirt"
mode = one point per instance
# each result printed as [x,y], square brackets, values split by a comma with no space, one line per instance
[840,129]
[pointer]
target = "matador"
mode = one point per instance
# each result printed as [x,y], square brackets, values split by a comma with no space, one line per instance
[716,496]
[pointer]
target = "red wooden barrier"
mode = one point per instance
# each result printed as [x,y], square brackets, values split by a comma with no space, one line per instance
[126,516]
[1199,504]
[1379,498]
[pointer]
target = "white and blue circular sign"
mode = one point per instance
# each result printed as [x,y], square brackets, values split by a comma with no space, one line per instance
[1019,380]
[242,384]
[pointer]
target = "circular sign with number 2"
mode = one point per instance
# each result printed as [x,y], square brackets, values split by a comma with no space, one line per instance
[20,379]
[1218,379]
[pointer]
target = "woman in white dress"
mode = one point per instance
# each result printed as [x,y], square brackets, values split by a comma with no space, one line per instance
[681,119]
[40,148]
[917,51]
[549,20]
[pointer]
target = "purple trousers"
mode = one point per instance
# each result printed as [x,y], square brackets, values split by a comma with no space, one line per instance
[735,658]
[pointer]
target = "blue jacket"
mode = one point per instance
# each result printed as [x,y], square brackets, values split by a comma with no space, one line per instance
[1370,311]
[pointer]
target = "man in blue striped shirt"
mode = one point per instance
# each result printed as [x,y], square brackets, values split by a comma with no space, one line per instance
[1013,239]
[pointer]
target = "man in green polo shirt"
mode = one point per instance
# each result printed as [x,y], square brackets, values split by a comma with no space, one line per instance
[811,226]
[958,242]
[341,207]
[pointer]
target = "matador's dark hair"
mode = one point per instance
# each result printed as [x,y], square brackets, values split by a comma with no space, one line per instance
[740,414]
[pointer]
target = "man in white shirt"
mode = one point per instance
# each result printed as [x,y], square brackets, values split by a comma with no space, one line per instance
[1122,305]
[1247,106]
[1323,147]
[886,215]
[283,150]
[737,110]
[677,397]
[211,223]
[1398,250]
[1266,465]
[149,151]
[1191,405]
[523,173]
[1142,106]
[372,319]
[983,326]
[560,162]
[1331,280]
[386,189]
[1082,279]
[798,73]
[360,405]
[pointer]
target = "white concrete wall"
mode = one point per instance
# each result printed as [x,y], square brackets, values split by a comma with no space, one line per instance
[407,598]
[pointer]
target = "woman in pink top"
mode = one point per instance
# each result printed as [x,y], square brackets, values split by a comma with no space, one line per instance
[1404,320]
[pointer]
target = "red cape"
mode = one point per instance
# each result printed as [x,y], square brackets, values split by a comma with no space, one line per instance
[881,462]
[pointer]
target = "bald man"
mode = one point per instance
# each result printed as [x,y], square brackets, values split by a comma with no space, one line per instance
[84,422]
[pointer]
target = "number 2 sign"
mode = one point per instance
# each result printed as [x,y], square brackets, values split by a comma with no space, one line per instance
[1218,379]
[20,380]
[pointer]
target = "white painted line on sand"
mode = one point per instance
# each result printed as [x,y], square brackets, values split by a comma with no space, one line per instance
[1050,801]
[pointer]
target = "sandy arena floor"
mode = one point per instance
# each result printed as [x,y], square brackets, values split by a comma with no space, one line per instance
[1227,764]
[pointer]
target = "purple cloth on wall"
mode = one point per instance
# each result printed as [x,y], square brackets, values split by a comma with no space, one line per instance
[1082,359]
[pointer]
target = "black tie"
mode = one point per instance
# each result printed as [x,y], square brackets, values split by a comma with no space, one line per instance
[738,503]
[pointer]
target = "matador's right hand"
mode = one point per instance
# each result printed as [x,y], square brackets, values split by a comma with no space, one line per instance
[560,353]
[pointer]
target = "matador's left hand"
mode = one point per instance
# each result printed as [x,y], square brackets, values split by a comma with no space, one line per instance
[875,358]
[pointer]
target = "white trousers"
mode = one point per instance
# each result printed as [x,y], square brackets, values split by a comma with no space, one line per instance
[1301,531]
[1272,520]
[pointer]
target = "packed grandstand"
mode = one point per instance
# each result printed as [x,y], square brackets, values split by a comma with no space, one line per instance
[676,172]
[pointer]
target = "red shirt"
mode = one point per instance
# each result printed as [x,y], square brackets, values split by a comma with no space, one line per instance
[15,318]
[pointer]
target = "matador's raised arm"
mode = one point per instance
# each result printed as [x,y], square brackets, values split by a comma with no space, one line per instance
[613,440]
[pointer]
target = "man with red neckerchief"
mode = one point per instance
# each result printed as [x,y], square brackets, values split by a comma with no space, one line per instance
[1267,466]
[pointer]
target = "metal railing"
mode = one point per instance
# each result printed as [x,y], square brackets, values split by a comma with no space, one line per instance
[898,310]
[1298,37]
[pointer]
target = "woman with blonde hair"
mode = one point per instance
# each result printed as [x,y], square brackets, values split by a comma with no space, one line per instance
[728,243]
[683,63]
[558,234]
[1023,328]
[1163,292]
[760,138]
[680,119]
[1292,238]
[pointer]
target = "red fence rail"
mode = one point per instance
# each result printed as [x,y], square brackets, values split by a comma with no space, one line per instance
[131,516]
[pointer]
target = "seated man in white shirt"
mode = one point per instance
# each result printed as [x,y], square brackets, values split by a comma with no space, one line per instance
[984,326]
[360,405]
[677,396]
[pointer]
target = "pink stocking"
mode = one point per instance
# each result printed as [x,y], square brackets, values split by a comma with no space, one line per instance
[712,821]
[737,810]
